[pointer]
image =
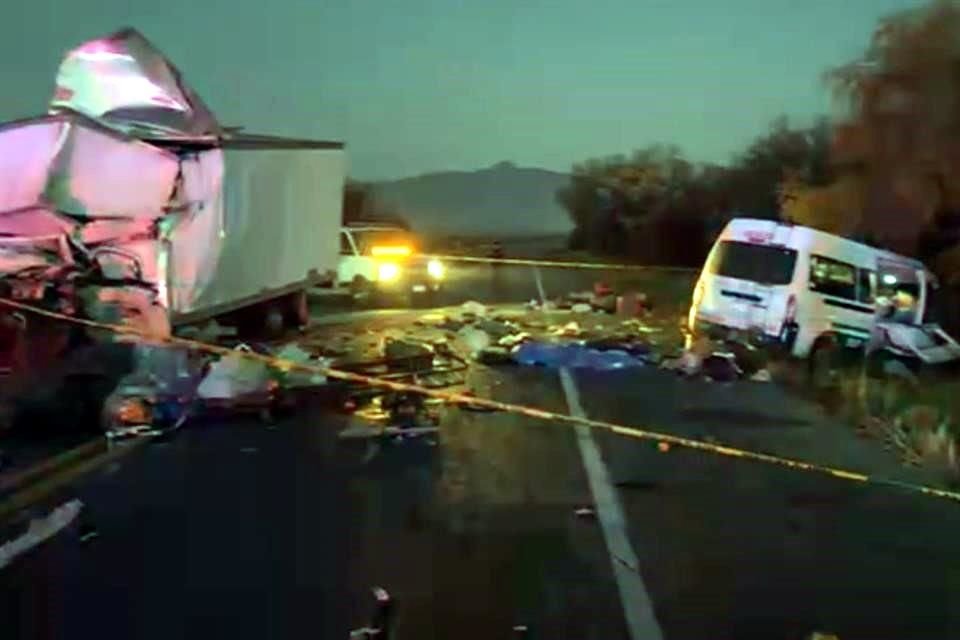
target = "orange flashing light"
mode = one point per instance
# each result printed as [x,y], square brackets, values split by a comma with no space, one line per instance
[394,251]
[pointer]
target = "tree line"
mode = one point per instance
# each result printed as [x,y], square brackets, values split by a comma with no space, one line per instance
[882,169]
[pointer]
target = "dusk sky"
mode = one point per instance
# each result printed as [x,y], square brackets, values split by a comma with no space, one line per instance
[420,85]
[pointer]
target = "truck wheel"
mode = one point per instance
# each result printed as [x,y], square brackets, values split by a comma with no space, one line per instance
[298,310]
[359,286]
[273,320]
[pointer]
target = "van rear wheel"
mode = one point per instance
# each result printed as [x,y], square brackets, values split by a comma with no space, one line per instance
[824,365]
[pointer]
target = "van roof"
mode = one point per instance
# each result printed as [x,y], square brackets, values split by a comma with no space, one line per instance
[810,239]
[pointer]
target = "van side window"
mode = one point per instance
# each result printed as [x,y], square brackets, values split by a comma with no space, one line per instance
[833,278]
[867,286]
[346,249]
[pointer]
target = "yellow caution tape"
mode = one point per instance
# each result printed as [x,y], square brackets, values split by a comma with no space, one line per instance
[561,264]
[532,412]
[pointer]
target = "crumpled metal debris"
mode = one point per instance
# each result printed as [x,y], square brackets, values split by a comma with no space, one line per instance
[122,79]
[156,396]
[407,354]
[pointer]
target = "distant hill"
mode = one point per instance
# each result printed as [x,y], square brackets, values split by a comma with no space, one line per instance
[502,200]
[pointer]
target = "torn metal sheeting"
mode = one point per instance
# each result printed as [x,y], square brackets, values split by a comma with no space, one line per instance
[79,168]
[125,81]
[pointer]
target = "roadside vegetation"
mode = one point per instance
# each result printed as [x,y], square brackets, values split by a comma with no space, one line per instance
[880,169]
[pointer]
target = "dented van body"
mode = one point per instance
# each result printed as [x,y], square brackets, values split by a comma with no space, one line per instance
[800,288]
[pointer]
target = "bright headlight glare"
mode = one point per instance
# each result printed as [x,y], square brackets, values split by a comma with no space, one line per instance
[436,269]
[388,271]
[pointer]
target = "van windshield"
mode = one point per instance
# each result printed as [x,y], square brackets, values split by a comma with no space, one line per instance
[753,262]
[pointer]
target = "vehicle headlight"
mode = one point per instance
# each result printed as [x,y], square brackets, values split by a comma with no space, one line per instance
[435,269]
[388,271]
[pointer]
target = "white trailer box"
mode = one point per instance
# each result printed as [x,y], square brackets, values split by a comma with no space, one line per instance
[275,220]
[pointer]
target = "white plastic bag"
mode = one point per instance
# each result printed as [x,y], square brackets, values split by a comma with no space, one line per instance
[233,376]
[297,377]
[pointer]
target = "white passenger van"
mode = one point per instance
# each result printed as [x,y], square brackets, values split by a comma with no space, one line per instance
[805,289]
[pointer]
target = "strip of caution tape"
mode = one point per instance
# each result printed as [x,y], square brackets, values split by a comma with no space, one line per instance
[561,264]
[532,412]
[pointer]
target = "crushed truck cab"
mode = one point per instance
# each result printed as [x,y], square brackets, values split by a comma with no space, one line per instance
[130,177]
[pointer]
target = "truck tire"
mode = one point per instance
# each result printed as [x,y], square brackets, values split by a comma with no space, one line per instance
[298,310]
[359,286]
[274,320]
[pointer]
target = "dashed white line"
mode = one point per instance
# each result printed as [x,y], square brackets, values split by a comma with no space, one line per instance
[637,607]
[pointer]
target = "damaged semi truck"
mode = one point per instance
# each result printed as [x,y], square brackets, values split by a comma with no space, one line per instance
[130,176]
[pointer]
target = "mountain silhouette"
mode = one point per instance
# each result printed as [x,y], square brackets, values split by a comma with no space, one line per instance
[502,199]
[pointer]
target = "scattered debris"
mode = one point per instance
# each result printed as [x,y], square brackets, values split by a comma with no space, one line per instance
[155,396]
[495,356]
[569,330]
[632,305]
[234,376]
[293,354]
[585,512]
[87,532]
[473,308]
[449,324]
[475,340]
[495,328]
[573,356]
[513,340]
[407,354]
[380,626]
[720,367]
[406,410]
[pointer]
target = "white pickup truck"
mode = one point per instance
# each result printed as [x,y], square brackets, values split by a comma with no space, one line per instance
[383,259]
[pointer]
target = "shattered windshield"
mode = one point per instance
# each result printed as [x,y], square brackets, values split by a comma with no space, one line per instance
[480,320]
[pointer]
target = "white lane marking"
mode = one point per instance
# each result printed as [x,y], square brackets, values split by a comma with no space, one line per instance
[39,531]
[637,606]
